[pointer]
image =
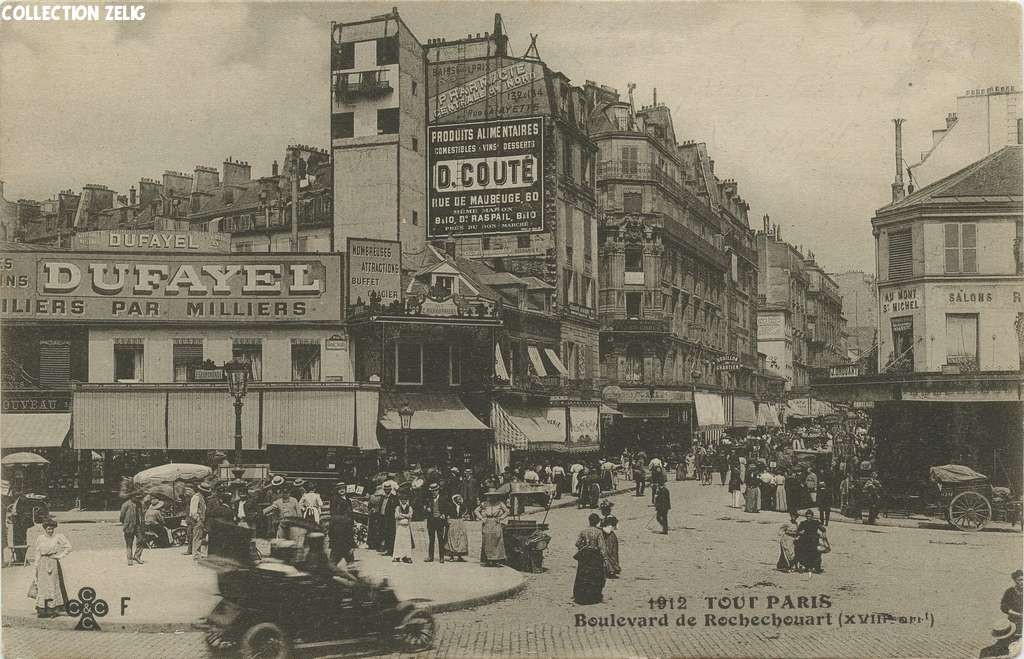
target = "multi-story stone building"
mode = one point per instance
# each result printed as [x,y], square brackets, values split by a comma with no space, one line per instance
[859,295]
[825,321]
[782,319]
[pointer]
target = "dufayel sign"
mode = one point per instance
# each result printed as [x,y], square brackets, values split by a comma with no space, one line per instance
[485,178]
[76,287]
[127,240]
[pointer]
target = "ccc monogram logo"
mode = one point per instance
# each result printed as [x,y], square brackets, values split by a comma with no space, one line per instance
[89,608]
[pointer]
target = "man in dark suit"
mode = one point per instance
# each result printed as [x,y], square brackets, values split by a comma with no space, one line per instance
[437,509]
[662,504]
[388,503]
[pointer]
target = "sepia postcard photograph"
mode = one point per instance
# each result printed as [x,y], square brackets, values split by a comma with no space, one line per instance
[536,328]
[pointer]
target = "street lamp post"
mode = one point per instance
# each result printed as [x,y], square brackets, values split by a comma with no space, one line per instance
[238,380]
[405,414]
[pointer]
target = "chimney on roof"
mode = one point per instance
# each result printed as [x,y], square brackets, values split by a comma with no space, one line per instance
[131,196]
[655,95]
[236,172]
[205,179]
[950,120]
[897,185]
[273,169]
[449,249]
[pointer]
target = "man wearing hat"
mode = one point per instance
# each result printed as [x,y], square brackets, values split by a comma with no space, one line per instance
[132,520]
[154,521]
[386,516]
[342,526]
[437,510]
[1012,599]
[470,492]
[197,519]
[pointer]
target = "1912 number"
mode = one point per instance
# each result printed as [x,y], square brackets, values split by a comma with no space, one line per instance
[661,603]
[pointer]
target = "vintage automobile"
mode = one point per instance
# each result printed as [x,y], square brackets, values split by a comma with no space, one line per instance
[297,601]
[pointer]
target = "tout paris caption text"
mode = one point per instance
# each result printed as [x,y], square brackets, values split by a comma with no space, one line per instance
[748,611]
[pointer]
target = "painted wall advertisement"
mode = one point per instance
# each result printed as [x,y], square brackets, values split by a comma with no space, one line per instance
[486,178]
[76,287]
[486,88]
[121,240]
[374,271]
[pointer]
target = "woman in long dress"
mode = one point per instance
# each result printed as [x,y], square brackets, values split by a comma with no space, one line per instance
[457,544]
[809,535]
[752,496]
[590,564]
[403,530]
[780,493]
[492,538]
[736,485]
[48,585]
[611,544]
[787,547]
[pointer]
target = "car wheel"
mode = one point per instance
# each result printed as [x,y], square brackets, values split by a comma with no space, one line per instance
[180,536]
[264,641]
[416,633]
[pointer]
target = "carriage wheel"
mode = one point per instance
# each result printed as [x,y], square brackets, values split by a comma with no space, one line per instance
[969,511]
[416,632]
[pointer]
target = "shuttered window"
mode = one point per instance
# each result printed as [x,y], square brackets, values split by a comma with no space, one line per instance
[186,353]
[54,363]
[901,255]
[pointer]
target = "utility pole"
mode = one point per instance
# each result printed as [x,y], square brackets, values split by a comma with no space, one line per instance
[295,207]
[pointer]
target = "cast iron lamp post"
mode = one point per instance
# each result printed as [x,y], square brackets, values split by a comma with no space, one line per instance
[405,414]
[238,380]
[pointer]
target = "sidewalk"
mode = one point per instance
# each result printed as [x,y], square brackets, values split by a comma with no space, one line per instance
[171,591]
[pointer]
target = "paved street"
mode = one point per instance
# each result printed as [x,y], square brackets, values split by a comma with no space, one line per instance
[722,552]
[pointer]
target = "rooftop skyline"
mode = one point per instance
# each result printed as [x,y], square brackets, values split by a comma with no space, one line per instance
[794,101]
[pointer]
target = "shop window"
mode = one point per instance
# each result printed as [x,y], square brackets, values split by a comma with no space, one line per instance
[387,51]
[902,358]
[54,363]
[961,247]
[634,305]
[634,364]
[901,251]
[128,360]
[455,365]
[962,340]
[342,125]
[387,121]
[344,56]
[408,363]
[634,259]
[186,355]
[249,352]
[306,361]
[632,202]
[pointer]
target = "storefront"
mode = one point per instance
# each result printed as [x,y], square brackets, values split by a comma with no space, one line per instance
[710,410]
[548,431]
[652,420]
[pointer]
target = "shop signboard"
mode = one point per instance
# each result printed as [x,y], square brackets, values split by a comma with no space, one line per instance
[584,424]
[486,178]
[659,396]
[485,88]
[31,401]
[135,240]
[374,271]
[80,287]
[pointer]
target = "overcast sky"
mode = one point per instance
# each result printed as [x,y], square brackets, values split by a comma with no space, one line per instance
[794,100]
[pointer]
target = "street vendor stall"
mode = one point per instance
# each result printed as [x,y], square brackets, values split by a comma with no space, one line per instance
[526,539]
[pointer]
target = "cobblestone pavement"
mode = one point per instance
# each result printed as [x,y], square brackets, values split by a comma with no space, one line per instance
[952,581]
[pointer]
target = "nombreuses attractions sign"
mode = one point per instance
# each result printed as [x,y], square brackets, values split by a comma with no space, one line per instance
[82,286]
[486,178]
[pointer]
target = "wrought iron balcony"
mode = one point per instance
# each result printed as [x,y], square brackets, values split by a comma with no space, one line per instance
[366,84]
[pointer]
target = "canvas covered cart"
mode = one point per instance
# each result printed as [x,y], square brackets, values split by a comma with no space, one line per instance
[967,499]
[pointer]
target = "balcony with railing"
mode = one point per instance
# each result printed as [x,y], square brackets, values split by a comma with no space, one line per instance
[640,325]
[365,84]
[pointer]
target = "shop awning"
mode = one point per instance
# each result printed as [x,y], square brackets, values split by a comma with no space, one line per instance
[367,413]
[536,361]
[743,415]
[710,411]
[556,362]
[201,420]
[309,417]
[533,423]
[609,411]
[431,412]
[34,430]
[120,419]
[767,415]
[808,408]
[499,364]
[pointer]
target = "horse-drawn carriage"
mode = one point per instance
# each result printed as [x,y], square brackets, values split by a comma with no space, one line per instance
[967,500]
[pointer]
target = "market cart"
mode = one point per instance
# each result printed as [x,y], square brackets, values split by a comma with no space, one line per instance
[967,500]
[526,539]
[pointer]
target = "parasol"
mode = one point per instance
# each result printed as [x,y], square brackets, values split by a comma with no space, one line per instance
[168,473]
[24,458]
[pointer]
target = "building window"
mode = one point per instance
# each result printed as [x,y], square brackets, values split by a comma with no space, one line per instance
[54,363]
[961,247]
[1020,131]
[634,259]
[249,351]
[568,157]
[128,362]
[305,360]
[588,242]
[414,87]
[634,305]
[446,282]
[387,121]
[522,242]
[186,355]
[634,364]
[902,358]
[242,246]
[630,160]
[342,125]
[901,253]
[344,56]
[568,290]
[408,363]
[387,51]
[632,202]
[962,340]
[455,365]
[415,218]
[415,144]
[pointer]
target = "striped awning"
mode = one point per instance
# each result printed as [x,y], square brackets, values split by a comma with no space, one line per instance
[536,361]
[34,430]
[556,361]
[430,412]
[710,411]
[201,420]
[499,364]
[308,418]
[743,414]
[119,420]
